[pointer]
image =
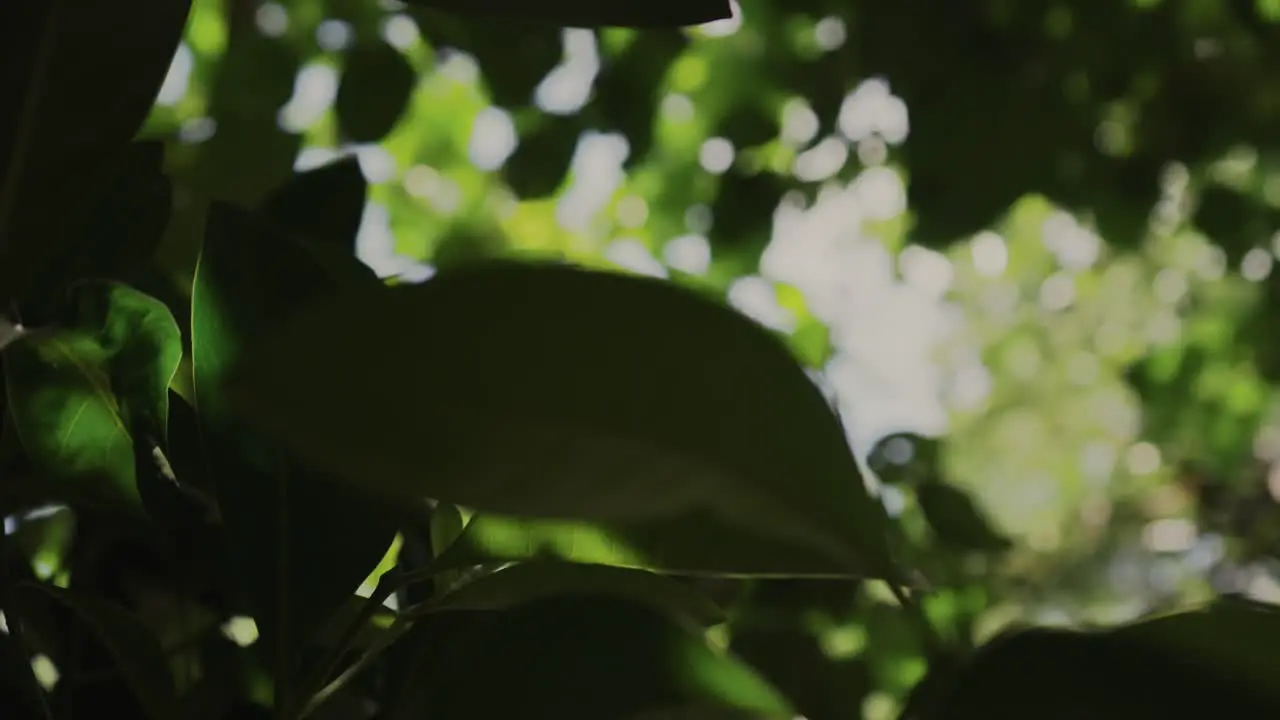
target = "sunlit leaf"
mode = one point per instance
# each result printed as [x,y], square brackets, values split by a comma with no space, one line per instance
[78,393]
[692,544]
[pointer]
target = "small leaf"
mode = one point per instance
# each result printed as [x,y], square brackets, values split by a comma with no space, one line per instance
[325,204]
[541,161]
[550,391]
[524,582]
[77,392]
[283,519]
[591,13]
[956,520]
[136,651]
[576,658]
[693,544]
[61,58]
[377,82]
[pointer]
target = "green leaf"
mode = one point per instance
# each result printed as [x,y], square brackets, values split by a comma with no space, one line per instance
[956,520]
[587,658]
[377,83]
[135,649]
[284,520]
[550,391]
[524,582]
[589,13]
[692,544]
[325,204]
[78,392]
[60,58]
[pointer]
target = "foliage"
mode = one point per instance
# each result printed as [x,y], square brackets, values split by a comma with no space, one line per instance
[251,465]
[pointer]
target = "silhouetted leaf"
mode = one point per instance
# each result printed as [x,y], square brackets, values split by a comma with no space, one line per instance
[133,646]
[283,520]
[377,83]
[61,58]
[549,659]
[1236,222]
[956,520]
[324,204]
[586,13]
[539,165]
[567,393]
[525,582]
[77,392]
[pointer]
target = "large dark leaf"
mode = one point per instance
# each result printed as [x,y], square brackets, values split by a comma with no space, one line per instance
[60,61]
[592,13]
[550,391]
[302,543]
[1221,659]
[135,649]
[78,393]
[576,658]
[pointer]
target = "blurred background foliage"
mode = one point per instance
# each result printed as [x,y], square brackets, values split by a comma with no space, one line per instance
[1028,246]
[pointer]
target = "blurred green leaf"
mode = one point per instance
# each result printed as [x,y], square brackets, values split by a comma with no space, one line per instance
[525,582]
[377,83]
[249,155]
[325,204]
[956,520]
[283,519]
[571,393]
[136,651]
[696,543]
[562,658]
[61,58]
[586,13]
[77,392]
